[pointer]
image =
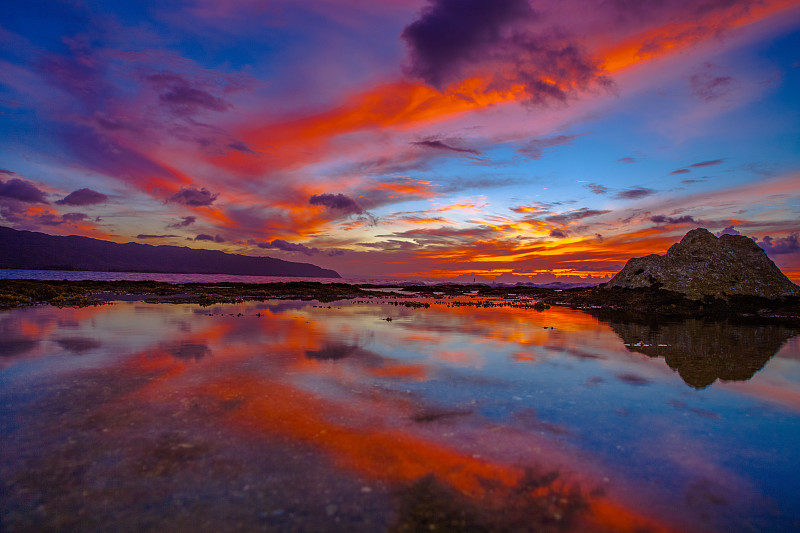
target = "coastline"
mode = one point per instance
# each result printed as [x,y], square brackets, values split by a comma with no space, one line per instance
[638,304]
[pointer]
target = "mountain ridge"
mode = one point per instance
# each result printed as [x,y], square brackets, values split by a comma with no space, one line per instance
[31,250]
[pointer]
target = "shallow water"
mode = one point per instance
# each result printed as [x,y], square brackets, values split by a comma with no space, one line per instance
[375,416]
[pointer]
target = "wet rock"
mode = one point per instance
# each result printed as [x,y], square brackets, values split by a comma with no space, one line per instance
[702,265]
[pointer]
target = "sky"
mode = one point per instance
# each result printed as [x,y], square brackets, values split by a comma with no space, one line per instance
[519,140]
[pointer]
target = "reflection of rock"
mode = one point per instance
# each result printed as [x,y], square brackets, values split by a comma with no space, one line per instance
[332,352]
[539,501]
[704,265]
[702,351]
[78,345]
[188,351]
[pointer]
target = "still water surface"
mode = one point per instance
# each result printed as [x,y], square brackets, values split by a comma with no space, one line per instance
[301,416]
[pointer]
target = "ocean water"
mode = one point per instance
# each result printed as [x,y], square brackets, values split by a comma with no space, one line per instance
[74,275]
[378,415]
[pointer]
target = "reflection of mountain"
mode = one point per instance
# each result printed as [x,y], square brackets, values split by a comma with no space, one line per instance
[702,351]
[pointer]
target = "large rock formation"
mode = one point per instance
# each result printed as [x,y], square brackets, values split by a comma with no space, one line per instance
[704,265]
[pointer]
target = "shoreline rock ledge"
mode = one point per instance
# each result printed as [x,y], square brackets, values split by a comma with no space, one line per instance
[702,265]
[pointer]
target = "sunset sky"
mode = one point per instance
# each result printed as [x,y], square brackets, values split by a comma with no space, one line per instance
[424,138]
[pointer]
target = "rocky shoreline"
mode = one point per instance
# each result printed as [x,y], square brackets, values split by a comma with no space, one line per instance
[638,303]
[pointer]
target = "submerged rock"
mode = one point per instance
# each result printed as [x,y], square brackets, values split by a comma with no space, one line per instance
[703,265]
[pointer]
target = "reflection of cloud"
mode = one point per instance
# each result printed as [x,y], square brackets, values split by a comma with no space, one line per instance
[332,352]
[188,351]
[78,345]
[11,346]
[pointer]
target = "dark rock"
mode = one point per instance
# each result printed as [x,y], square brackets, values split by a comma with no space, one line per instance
[702,265]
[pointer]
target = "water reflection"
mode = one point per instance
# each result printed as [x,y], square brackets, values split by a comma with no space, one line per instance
[78,345]
[294,416]
[703,351]
[188,350]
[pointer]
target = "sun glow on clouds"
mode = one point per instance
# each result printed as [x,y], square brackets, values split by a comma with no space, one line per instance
[522,143]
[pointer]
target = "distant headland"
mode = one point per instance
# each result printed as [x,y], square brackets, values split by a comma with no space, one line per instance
[701,276]
[29,250]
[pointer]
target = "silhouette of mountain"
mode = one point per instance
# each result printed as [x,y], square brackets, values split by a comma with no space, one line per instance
[31,250]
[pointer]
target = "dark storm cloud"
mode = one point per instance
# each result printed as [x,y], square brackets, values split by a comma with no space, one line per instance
[183,97]
[147,236]
[83,197]
[207,237]
[707,87]
[784,245]
[450,32]
[50,219]
[193,197]
[661,219]
[184,223]
[707,163]
[440,145]
[596,188]
[577,214]
[557,233]
[533,148]
[454,39]
[101,153]
[240,146]
[634,193]
[280,244]
[338,202]
[729,230]
[17,189]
